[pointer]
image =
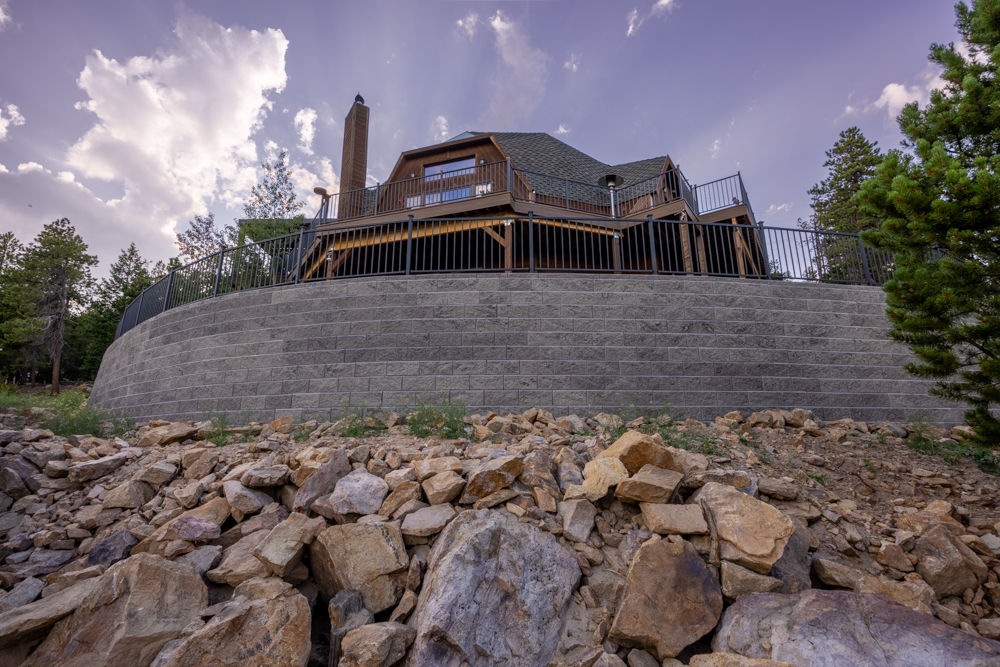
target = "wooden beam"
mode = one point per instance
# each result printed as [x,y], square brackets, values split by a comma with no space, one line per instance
[489,230]
[508,248]
[686,248]
[702,257]
[738,240]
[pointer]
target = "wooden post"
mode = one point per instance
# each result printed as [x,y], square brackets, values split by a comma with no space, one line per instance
[616,251]
[508,254]
[702,258]
[738,241]
[686,249]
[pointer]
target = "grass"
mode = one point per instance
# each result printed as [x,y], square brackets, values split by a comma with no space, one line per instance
[951,452]
[819,479]
[66,413]
[445,420]
[358,421]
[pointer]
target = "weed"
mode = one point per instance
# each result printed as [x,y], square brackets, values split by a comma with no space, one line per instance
[301,434]
[868,466]
[444,420]
[763,455]
[82,421]
[819,479]
[218,433]
[708,447]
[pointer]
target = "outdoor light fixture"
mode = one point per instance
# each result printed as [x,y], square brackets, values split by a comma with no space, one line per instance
[610,181]
[321,192]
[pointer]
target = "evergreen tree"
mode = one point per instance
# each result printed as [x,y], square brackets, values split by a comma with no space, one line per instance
[203,238]
[20,330]
[941,211]
[850,162]
[274,197]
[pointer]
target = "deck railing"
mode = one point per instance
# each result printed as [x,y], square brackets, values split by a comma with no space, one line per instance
[522,244]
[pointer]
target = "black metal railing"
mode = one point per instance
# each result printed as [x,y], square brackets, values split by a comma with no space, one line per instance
[518,244]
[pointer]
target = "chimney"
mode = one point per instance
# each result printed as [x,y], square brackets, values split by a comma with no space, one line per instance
[354,165]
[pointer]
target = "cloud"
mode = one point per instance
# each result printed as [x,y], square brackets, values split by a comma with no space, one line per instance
[716,148]
[520,87]
[573,63]
[562,129]
[9,115]
[4,14]
[25,167]
[895,96]
[660,8]
[774,209]
[318,173]
[440,129]
[468,24]
[305,125]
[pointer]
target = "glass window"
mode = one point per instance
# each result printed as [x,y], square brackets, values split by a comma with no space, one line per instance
[449,169]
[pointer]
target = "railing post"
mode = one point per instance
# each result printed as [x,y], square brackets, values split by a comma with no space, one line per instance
[218,272]
[138,307]
[409,242]
[864,261]
[510,179]
[567,194]
[531,242]
[170,286]
[378,189]
[652,244]
[298,254]
[763,247]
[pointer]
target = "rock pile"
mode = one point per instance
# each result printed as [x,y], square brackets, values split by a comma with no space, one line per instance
[771,540]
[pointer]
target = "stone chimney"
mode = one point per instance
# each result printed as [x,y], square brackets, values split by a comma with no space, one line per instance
[354,165]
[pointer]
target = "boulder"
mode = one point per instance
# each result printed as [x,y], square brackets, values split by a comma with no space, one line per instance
[427,468]
[376,645]
[737,581]
[284,545]
[164,435]
[892,555]
[674,519]
[46,561]
[495,474]
[777,488]
[12,484]
[244,499]
[323,481]
[748,532]
[193,529]
[733,660]
[216,510]
[266,623]
[443,487]
[347,612]
[539,472]
[358,492]
[111,549]
[844,629]
[832,573]
[135,608]
[157,474]
[946,563]
[649,485]
[266,476]
[635,450]
[577,519]
[202,559]
[32,621]
[600,475]
[428,521]
[919,523]
[239,563]
[494,594]
[87,470]
[128,495]
[24,592]
[399,496]
[369,557]
[671,600]
[795,563]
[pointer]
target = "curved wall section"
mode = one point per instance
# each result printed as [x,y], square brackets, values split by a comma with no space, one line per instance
[568,343]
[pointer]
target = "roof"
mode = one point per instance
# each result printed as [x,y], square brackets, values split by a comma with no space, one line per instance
[544,154]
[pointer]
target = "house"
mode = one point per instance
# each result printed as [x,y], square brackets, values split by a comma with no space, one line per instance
[526,201]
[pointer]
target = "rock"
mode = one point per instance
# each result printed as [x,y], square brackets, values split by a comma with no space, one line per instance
[32,621]
[494,593]
[193,529]
[323,481]
[738,479]
[238,562]
[833,628]
[135,608]
[111,549]
[368,557]
[496,474]
[750,533]
[358,492]
[795,563]
[12,484]
[347,612]
[129,495]
[400,495]
[914,594]
[245,499]
[284,545]
[427,468]
[737,581]
[919,523]
[539,469]
[671,600]
[376,645]
[24,592]
[836,574]
[443,487]
[428,521]
[947,564]
[266,623]
[649,485]
[157,474]
[406,605]
[397,477]
[602,474]
[188,496]
[635,450]
[733,660]
[87,470]
[577,519]
[45,561]
[216,510]
[609,660]
[777,488]
[164,435]
[674,519]
[202,559]
[269,476]
[989,628]
[892,555]
[639,658]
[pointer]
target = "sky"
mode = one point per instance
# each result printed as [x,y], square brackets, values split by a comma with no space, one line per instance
[130,117]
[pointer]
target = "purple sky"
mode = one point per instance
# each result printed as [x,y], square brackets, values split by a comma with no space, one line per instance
[131,116]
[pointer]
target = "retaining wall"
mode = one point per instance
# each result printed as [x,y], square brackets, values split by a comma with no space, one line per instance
[568,343]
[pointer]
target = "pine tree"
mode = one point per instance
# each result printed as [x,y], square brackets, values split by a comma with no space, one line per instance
[850,162]
[941,210]
[274,197]
[202,238]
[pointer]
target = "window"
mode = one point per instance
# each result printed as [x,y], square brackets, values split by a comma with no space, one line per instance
[449,169]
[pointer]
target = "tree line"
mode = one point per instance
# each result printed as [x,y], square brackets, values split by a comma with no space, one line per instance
[57,320]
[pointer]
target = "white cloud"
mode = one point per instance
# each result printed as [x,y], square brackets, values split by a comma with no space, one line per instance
[716,148]
[66,176]
[573,63]
[633,22]
[521,86]
[440,129]
[25,167]
[660,8]
[468,24]
[318,173]
[9,115]
[4,169]
[4,14]
[774,209]
[305,125]
[562,129]
[176,128]
[895,96]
